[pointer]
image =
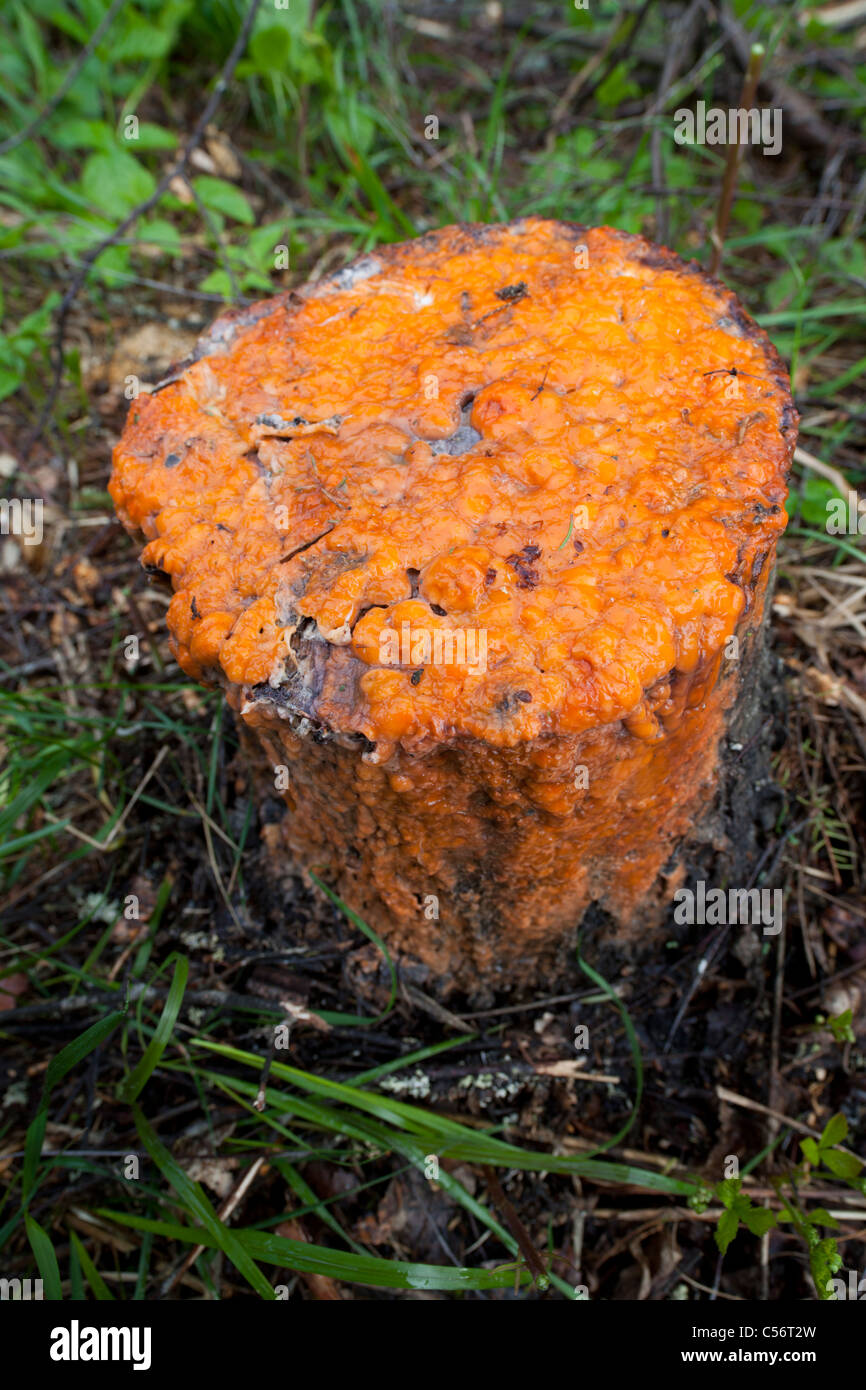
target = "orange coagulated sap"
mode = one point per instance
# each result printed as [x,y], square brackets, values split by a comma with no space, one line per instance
[476,535]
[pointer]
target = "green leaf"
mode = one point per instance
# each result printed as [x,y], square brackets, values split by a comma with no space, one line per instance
[195,1202]
[821,1217]
[835,1132]
[841,1026]
[91,1273]
[141,40]
[842,1164]
[69,1057]
[158,232]
[811,1151]
[10,379]
[45,1257]
[728,1190]
[814,495]
[759,1220]
[115,183]
[616,87]
[150,137]
[351,126]
[824,1261]
[76,133]
[269,49]
[217,282]
[220,196]
[846,256]
[726,1229]
[260,246]
[783,288]
[132,1087]
[114,266]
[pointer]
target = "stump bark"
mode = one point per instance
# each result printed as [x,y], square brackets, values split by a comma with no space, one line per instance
[477,535]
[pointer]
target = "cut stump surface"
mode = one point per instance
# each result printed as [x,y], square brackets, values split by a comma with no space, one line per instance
[477,536]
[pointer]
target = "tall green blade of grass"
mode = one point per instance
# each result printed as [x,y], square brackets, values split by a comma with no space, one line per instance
[65,1060]
[193,1200]
[100,1289]
[132,1087]
[46,1259]
[395,1119]
[334,1264]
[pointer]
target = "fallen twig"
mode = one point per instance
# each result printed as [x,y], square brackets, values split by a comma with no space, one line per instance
[735,154]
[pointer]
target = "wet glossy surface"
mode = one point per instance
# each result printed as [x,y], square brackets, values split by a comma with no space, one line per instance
[483,436]
[477,433]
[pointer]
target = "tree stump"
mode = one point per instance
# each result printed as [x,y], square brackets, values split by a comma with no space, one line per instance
[477,535]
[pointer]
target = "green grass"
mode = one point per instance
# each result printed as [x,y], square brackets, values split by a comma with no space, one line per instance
[360,1122]
[50,749]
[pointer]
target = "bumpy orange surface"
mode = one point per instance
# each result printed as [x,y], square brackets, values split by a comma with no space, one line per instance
[560,438]
[558,447]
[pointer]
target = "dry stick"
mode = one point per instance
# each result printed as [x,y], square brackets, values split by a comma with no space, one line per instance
[138,617]
[826,470]
[87,52]
[261,1096]
[177,170]
[735,154]
[744,1103]
[705,1288]
[518,1230]
[837,16]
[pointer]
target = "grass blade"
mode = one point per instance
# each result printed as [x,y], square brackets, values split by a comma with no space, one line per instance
[357,1020]
[46,1259]
[335,1264]
[196,1203]
[100,1289]
[132,1087]
[69,1057]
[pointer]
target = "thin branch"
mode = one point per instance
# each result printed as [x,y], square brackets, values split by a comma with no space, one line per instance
[518,1230]
[735,154]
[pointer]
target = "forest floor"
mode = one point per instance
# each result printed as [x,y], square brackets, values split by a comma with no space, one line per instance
[420,1149]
